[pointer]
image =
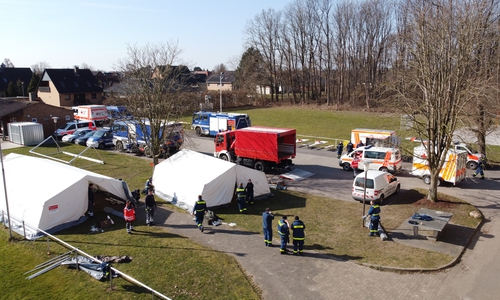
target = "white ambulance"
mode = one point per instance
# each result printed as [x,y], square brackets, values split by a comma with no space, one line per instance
[453,170]
[381,159]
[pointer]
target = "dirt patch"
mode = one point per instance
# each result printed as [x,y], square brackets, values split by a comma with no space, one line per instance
[438,205]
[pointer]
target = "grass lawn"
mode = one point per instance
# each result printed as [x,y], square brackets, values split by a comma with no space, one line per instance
[182,269]
[331,124]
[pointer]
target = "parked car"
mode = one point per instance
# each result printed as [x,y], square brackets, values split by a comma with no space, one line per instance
[83,139]
[379,185]
[70,127]
[70,138]
[101,139]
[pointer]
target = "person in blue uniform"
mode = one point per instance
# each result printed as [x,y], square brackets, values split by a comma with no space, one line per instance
[284,232]
[241,198]
[374,215]
[299,236]
[267,227]
[480,167]
[249,192]
[340,149]
[199,210]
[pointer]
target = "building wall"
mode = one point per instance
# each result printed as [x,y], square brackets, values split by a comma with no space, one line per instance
[55,99]
[41,113]
[215,86]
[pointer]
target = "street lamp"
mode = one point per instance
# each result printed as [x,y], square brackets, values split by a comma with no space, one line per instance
[220,88]
[366,164]
[22,84]
[55,125]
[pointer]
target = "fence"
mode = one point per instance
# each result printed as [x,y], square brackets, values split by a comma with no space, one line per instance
[319,142]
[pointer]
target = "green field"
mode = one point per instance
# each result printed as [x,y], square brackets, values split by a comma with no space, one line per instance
[171,264]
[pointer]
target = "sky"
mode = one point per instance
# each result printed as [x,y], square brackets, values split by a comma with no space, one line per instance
[67,33]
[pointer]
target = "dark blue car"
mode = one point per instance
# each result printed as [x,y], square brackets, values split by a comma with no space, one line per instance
[101,139]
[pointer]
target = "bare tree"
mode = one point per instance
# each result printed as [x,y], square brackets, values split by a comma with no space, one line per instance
[155,86]
[7,63]
[40,67]
[220,68]
[442,39]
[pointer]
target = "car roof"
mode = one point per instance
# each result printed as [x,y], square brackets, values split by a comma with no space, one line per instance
[372,174]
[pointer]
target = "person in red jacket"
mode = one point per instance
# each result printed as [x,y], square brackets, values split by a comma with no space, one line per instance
[355,163]
[129,216]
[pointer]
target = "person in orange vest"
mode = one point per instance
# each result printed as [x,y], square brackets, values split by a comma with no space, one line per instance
[129,216]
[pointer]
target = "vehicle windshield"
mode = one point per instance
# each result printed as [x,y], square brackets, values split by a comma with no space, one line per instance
[89,134]
[99,133]
[360,182]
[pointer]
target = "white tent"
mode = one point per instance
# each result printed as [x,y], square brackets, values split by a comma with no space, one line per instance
[187,174]
[49,195]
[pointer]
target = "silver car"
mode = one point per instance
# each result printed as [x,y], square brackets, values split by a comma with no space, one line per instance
[70,138]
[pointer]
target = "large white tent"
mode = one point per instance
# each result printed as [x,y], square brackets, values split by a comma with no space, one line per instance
[49,195]
[187,174]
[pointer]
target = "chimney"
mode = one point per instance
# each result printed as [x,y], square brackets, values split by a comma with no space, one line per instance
[76,70]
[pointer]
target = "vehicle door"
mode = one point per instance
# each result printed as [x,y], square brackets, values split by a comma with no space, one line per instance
[107,139]
[391,183]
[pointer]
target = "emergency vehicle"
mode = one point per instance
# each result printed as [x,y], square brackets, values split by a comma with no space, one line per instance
[453,170]
[472,158]
[211,123]
[96,113]
[375,137]
[381,159]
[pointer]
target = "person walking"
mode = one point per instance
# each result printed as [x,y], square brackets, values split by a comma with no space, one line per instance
[199,210]
[340,149]
[350,147]
[267,227]
[249,192]
[284,232]
[90,209]
[481,164]
[241,198]
[129,216]
[374,215]
[298,236]
[150,207]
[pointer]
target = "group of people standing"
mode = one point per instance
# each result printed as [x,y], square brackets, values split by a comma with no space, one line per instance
[284,227]
[129,213]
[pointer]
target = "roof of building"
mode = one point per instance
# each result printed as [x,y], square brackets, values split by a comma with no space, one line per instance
[72,81]
[13,75]
[226,77]
[10,105]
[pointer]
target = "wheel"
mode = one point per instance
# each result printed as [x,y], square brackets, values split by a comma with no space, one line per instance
[427,179]
[384,169]
[148,151]
[119,146]
[259,166]
[198,131]
[346,166]
[101,146]
[224,157]
[398,188]
[381,199]
[472,165]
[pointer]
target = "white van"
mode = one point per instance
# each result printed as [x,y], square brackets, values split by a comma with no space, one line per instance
[381,159]
[70,127]
[379,185]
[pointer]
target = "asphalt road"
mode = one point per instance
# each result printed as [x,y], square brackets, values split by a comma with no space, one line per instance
[473,278]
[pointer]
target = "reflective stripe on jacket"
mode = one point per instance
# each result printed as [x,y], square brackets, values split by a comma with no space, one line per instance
[283,228]
[129,214]
[298,230]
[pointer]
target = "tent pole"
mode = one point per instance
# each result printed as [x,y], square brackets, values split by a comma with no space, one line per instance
[5,190]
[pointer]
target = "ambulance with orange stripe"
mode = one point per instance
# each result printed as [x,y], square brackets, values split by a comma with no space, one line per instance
[381,159]
[376,137]
[453,169]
